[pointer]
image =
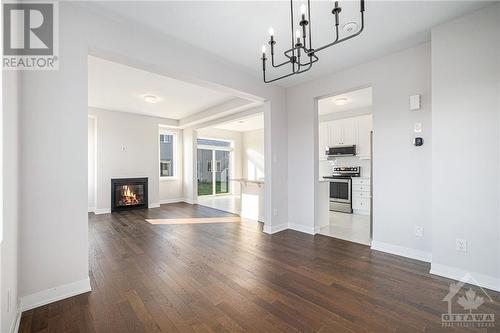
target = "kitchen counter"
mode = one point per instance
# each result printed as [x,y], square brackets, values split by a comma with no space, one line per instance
[244,180]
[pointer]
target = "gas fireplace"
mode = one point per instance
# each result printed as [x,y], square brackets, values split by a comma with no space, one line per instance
[129,193]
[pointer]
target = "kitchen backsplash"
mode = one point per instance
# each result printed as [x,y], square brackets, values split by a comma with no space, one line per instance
[326,166]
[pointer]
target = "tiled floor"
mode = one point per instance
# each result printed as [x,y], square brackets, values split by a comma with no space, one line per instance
[354,228]
[227,203]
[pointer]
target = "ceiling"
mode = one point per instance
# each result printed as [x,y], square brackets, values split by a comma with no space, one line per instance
[251,123]
[357,99]
[117,87]
[235,30]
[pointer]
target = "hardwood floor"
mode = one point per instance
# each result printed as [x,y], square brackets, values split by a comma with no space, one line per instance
[231,277]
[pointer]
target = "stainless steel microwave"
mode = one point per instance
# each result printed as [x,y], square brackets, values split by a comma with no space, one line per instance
[341,151]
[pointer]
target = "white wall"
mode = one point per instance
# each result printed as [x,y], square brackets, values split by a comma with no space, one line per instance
[9,254]
[466,146]
[91,163]
[402,172]
[139,137]
[253,154]
[53,221]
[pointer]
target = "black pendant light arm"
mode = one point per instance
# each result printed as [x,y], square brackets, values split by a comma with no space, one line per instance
[337,40]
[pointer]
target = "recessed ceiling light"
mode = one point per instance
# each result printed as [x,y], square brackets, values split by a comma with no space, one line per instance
[350,27]
[150,98]
[341,101]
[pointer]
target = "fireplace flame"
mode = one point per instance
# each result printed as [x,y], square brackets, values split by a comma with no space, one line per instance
[128,196]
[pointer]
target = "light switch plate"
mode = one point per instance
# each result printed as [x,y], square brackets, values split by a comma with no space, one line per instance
[417,127]
[415,102]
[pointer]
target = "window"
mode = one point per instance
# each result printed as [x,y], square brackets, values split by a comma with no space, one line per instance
[214,143]
[168,152]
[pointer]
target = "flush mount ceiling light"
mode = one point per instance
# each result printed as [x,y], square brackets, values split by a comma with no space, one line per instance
[349,27]
[341,101]
[150,98]
[302,55]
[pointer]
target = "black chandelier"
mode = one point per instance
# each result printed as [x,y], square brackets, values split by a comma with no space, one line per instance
[301,47]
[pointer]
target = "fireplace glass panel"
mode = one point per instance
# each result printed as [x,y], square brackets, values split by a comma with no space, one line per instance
[129,195]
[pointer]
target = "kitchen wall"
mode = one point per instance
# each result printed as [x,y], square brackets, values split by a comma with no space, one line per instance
[466,146]
[402,172]
[237,139]
[128,147]
[9,219]
[345,114]
[53,222]
[253,154]
[326,166]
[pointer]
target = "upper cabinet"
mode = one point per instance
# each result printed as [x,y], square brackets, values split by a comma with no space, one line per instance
[349,131]
[364,128]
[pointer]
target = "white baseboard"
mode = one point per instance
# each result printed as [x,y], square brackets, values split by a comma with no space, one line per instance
[189,201]
[401,251]
[154,205]
[15,325]
[302,228]
[91,209]
[102,211]
[274,228]
[318,228]
[168,201]
[54,294]
[454,273]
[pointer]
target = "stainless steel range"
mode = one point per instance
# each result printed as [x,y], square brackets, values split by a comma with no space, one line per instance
[341,188]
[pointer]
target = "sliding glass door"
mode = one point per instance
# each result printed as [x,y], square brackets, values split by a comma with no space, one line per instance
[221,171]
[204,171]
[213,171]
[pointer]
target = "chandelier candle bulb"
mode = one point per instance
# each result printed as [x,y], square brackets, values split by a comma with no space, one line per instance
[303,11]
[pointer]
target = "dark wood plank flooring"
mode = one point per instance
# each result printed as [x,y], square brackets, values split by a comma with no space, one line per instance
[231,277]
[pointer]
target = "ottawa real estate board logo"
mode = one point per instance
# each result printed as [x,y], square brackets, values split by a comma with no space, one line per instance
[466,305]
[30,35]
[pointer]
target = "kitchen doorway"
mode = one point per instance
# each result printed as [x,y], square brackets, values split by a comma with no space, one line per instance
[345,128]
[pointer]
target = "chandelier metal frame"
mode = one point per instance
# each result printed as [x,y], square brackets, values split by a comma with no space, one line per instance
[301,47]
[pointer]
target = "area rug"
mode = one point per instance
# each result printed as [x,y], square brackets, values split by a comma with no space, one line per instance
[196,220]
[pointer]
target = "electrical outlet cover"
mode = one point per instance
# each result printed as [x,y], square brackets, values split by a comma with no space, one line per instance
[461,245]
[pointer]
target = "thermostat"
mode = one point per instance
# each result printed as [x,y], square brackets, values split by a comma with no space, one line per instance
[418,142]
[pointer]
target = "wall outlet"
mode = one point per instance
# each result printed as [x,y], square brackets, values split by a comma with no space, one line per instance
[275,212]
[461,245]
[419,231]
[417,127]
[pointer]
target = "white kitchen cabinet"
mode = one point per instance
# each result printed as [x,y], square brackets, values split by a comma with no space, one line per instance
[361,195]
[336,133]
[348,126]
[324,139]
[364,128]
[349,131]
